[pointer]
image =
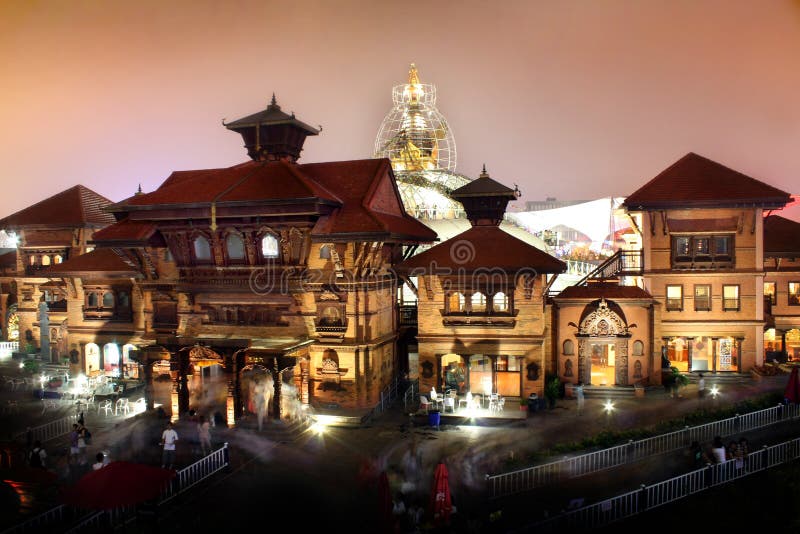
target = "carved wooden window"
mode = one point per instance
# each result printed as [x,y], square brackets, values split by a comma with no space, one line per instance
[269,246]
[57,259]
[202,250]
[794,294]
[500,302]
[108,299]
[456,303]
[235,247]
[92,300]
[325,252]
[478,302]
[45,260]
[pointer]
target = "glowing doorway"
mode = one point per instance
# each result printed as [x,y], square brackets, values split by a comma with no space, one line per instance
[603,358]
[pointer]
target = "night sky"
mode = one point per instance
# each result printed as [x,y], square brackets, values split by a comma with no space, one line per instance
[572,99]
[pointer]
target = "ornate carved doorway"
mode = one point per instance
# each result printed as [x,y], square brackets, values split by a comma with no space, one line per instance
[603,345]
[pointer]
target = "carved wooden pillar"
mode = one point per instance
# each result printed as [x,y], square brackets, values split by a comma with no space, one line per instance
[621,365]
[584,374]
[277,379]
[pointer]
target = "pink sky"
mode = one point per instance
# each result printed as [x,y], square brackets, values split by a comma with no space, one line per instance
[572,99]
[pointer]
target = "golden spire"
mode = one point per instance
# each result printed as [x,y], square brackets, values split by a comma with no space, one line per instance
[483,173]
[413,76]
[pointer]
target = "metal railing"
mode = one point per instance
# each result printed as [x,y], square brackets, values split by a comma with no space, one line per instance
[646,498]
[622,262]
[530,478]
[411,396]
[7,347]
[47,431]
[185,479]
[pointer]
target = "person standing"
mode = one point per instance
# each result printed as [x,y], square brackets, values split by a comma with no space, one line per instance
[718,450]
[204,435]
[168,439]
[579,395]
[37,457]
[701,386]
[74,451]
[82,460]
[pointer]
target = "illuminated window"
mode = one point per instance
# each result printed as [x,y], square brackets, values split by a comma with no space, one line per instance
[235,247]
[32,260]
[202,250]
[478,303]
[702,297]
[674,298]
[108,299]
[269,246]
[730,298]
[794,293]
[45,260]
[769,292]
[500,302]
[456,303]
[687,250]
[57,259]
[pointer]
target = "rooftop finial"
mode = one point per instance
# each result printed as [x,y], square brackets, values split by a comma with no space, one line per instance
[139,190]
[413,76]
[273,102]
[484,174]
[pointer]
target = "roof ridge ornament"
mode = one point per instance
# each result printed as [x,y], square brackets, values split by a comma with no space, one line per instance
[274,102]
[483,173]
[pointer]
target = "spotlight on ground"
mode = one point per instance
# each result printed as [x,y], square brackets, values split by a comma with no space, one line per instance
[608,406]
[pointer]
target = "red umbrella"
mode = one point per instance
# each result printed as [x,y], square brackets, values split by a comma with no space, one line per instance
[441,504]
[118,484]
[792,391]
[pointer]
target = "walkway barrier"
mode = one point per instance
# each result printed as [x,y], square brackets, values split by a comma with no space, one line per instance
[646,498]
[83,521]
[530,478]
[7,347]
[48,431]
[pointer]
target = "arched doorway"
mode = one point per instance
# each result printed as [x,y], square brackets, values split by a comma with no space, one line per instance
[92,359]
[603,345]
[111,362]
[12,322]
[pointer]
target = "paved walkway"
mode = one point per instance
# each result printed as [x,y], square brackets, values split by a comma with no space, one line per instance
[313,479]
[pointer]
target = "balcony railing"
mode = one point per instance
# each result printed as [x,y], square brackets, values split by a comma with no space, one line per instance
[408,315]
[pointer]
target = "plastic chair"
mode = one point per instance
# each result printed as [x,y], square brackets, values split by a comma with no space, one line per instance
[467,401]
[424,404]
[450,402]
[105,406]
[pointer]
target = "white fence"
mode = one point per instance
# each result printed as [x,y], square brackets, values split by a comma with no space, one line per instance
[47,431]
[7,347]
[646,498]
[530,478]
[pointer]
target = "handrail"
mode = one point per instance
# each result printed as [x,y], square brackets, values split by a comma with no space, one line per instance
[622,261]
[648,497]
[537,476]
[185,479]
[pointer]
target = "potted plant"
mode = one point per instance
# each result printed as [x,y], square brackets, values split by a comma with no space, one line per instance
[552,389]
[677,380]
[523,404]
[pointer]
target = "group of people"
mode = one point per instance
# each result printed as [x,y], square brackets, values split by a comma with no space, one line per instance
[717,452]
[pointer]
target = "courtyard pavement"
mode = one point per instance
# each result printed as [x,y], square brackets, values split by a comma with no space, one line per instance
[318,480]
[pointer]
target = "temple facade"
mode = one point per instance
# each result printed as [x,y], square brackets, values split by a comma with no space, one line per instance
[310,284]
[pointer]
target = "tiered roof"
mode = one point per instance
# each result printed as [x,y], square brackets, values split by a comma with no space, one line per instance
[75,207]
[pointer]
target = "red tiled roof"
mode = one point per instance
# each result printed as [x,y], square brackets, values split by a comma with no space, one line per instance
[125,230]
[695,181]
[100,261]
[600,290]
[370,200]
[483,247]
[781,237]
[76,206]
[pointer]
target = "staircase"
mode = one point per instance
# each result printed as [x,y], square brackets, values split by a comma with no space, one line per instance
[621,263]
